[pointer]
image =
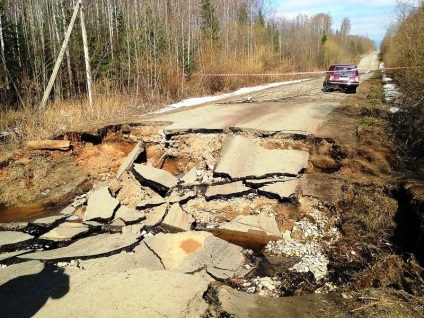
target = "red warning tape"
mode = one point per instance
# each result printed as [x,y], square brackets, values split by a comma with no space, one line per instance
[296,73]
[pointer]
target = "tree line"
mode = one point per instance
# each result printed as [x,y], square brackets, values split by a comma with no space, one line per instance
[403,46]
[156,49]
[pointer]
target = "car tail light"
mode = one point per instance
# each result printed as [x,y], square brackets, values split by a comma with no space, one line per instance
[331,77]
[356,78]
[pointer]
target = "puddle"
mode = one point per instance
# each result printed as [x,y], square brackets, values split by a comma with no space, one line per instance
[24,213]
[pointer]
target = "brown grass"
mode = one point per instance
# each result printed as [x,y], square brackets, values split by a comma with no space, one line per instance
[29,123]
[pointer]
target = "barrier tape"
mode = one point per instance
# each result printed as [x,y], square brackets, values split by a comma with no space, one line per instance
[296,73]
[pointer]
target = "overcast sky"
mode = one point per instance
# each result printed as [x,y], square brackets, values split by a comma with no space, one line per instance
[369,17]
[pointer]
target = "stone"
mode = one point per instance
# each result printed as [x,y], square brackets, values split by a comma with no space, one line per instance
[116,223]
[191,177]
[68,210]
[250,231]
[158,179]
[281,190]
[87,247]
[181,198]
[240,304]
[132,229]
[101,205]
[13,226]
[189,252]
[226,190]
[9,256]
[242,159]
[50,221]
[130,159]
[12,239]
[155,216]
[66,232]
[144,257]
[150,203]
[177,220]
[129,215]
[104,287]
[93,225]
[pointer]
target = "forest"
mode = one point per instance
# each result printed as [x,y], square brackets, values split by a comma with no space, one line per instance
[403,47]
[146,53]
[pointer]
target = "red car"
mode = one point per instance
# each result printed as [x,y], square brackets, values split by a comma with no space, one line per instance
[343,77]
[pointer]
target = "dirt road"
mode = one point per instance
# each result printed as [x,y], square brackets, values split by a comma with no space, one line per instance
[295,108]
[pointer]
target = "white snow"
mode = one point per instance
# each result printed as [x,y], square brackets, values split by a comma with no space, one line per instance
[207,99]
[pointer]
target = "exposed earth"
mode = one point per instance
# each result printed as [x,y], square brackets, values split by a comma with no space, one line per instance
[283,203]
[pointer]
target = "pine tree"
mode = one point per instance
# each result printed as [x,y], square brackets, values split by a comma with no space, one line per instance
[209,22]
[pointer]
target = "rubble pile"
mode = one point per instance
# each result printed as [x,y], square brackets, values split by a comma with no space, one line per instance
[207,215]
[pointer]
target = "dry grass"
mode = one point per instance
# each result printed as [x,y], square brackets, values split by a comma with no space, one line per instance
[30,123]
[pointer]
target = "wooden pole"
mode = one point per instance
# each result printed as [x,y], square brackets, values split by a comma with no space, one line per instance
[86,57]
[60,57]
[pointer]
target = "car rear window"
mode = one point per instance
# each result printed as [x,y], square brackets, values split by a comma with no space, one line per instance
[345,69]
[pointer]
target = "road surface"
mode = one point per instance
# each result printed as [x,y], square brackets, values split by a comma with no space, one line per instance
[295,108]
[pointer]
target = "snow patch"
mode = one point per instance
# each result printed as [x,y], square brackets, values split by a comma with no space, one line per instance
[207,99]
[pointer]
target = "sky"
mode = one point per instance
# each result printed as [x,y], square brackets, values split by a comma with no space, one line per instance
[368,17]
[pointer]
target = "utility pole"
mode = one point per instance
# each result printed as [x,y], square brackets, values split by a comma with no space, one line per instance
[78,8]
[59,58]
[86,57]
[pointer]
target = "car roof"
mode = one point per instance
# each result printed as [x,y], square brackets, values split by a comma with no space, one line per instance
[344,65]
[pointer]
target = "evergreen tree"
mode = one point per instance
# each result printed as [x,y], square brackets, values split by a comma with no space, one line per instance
[209,22]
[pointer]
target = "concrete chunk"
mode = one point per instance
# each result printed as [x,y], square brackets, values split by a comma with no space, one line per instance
[191,177]
[68,210]
[88,247]
[101,289]
[240,304]
[155,216]
[181,198]
[129,215]
[250,231]
[11,239]
[257,183]
[281,190]
[188,252]
[177,220]
[158,179]
[101,205]
[150,203]
[146,258]
[128,162]
[4,257]
[65,232]
[50,221]
[241,158]
[233,189]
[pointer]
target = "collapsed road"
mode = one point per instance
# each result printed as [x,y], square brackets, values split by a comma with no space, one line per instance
[218,210]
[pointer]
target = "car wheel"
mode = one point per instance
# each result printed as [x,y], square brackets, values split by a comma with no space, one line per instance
[325,87]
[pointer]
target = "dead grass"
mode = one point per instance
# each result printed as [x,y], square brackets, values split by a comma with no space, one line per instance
[29,123]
